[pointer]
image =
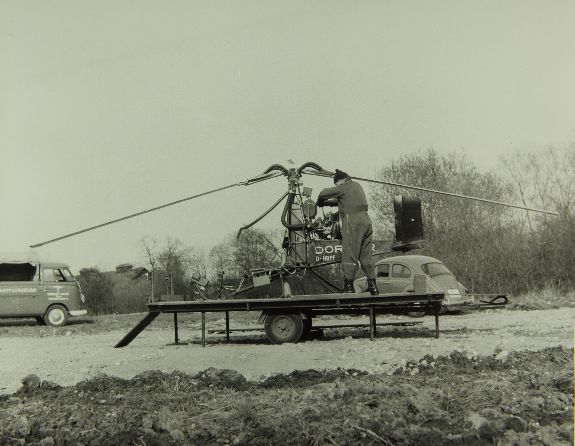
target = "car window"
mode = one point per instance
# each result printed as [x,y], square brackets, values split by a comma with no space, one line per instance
[400,271]
[434,269]
[52,275]
[382,270]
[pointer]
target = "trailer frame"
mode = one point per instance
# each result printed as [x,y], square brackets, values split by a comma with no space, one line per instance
[309,305]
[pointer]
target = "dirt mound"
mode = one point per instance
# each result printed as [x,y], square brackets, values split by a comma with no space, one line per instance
[462,398]
[307,378]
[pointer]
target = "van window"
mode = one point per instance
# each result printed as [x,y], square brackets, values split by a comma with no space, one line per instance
[382,270]
[17,272]
[52,275]
[400,271]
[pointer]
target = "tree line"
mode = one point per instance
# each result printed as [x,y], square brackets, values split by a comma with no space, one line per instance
[490,248]
[177,269]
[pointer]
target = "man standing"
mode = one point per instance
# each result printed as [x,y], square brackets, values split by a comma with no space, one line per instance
[356,228]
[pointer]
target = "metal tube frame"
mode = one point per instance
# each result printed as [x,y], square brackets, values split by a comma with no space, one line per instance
[176,338]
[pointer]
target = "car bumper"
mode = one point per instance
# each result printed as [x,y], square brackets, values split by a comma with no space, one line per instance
[78,312]
[451,300]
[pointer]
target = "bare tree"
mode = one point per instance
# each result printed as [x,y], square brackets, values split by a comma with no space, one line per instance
[149,246]
[174,260]
[221,258]
[197,264]
[546,179]
[256,248]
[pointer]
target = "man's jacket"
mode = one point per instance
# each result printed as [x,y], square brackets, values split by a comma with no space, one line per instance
[349,195]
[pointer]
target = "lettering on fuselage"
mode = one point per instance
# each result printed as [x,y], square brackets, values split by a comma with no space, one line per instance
[17,290]
[328,249]
[327,253]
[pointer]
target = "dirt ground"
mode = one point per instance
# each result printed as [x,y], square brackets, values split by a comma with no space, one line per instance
[493,377]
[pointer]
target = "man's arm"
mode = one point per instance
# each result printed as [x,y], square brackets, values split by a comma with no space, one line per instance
[329,202]
[329,196]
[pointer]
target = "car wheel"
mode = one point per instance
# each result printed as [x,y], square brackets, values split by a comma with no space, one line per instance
[282,328]
[56,316]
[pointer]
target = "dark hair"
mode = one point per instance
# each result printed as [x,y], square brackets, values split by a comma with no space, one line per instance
[339,175]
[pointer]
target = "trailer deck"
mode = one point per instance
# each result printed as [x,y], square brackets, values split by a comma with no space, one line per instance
[305,307]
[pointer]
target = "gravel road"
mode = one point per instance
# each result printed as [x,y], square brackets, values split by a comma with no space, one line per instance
[73,357]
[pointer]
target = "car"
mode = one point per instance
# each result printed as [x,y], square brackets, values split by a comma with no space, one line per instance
[396,275]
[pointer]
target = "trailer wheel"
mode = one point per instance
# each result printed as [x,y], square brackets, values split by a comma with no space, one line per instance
[415,314]
[307,327]
[282,328]
[56,316]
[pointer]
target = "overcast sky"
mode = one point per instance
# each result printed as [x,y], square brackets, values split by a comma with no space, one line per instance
[111,107]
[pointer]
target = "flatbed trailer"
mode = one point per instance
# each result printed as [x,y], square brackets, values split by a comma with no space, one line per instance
[288,319]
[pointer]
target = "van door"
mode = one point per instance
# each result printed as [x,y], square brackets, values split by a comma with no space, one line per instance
[57,288]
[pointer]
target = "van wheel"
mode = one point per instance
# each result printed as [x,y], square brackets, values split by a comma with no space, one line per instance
[56,316]
[40,320]
[282,328]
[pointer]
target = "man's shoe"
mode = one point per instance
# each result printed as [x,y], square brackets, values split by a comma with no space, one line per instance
[372,287]
[348,286]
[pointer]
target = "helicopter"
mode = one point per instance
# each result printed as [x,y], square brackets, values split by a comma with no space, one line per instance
[312,242]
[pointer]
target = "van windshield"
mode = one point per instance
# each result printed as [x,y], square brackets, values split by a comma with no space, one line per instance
[434,269]
[68,275]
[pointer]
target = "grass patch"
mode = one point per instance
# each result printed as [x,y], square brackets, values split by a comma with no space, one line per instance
[549,297]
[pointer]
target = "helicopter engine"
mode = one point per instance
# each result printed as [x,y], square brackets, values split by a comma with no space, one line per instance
[328,227]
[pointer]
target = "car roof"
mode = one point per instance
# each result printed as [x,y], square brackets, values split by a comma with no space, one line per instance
[410,260]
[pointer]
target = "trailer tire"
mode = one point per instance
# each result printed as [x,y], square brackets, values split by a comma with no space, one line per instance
[56,316]
[415,314]
[307,327]
[282,328]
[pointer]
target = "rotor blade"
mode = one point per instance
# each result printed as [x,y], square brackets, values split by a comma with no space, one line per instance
[117,220]
[326,173]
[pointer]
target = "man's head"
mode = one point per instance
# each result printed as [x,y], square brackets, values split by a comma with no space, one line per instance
[340,177]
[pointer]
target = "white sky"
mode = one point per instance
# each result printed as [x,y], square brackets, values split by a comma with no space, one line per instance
[111,107]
